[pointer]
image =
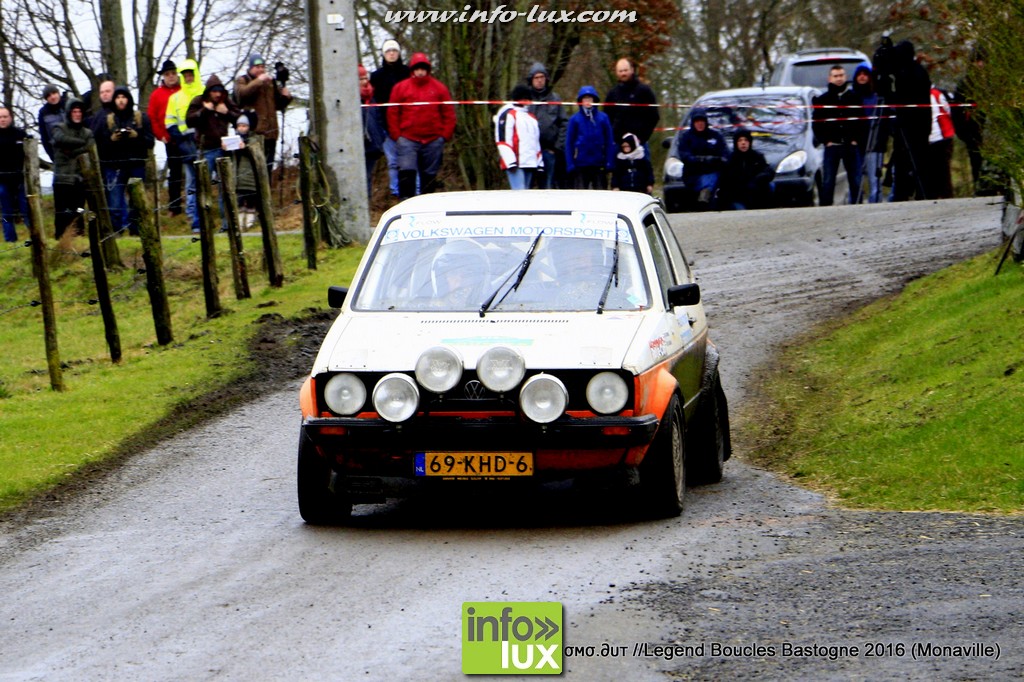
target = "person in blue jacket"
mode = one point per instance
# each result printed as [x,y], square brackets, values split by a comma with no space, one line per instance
[703,152]
[589,145]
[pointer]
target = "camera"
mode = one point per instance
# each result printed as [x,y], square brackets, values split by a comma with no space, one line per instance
[281,73]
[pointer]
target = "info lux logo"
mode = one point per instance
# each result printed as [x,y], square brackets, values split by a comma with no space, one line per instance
[512,638]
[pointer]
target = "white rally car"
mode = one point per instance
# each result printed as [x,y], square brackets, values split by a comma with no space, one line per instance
[500,338]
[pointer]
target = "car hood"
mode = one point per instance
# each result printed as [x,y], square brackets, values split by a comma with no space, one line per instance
[777,147]
[393,342]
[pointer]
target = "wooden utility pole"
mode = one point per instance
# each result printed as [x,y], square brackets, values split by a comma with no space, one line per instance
[228,190]
[152,256]
[335,111]
[207,228]
[40,263]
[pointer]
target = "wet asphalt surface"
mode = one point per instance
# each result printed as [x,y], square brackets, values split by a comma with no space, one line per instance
[189,561]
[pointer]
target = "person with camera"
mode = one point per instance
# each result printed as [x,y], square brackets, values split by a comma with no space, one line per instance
[123,141]
[261,96]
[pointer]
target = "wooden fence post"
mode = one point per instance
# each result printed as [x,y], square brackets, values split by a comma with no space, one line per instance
[40,265]
[152,256]
[239,272]
[96,193]
[265,210]
[153,178]
[207,229]
[99,275]
[310,240]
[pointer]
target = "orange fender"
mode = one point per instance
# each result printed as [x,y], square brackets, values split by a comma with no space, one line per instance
[654,390]
[307,398]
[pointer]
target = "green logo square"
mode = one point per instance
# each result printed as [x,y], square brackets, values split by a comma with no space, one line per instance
[512,638]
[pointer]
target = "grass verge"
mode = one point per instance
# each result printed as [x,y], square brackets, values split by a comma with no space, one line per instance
[913,403]
[108,410]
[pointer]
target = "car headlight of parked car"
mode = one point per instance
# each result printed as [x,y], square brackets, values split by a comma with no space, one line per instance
[543,398]
[395,397]
[345,394]
[793,162]
[673,168]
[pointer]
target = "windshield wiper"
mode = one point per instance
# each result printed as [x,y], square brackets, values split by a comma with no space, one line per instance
[523,267]
[613,275]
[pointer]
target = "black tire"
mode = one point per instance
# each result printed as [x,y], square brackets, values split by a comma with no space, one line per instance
[663,469]
[318,504]
[712,449]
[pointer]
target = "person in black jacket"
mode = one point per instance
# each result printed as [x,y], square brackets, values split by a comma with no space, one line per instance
[639,120]
[13,204]
[50,114]
[746,181]
[124,137]
[71,139]
[703,151]
[632,172]
[832,130]
[383,80]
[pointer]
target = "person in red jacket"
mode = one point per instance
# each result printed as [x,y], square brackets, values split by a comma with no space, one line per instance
[420,132]
[169,84]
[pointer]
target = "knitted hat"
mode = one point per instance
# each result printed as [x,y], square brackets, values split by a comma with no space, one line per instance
[390,44]
[243,120]
[49,89]
[255,59]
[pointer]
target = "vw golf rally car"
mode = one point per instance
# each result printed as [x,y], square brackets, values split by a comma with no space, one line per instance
[500,338]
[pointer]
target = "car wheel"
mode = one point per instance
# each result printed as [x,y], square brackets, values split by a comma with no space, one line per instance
[318,503]
[663,469]
[707,463]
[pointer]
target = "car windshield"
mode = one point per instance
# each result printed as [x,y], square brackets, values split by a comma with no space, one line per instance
[815,74]
[766,117]
[439,262]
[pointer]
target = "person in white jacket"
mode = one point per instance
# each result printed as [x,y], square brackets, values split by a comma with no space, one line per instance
[517,135]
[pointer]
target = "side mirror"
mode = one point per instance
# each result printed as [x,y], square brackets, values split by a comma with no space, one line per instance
[336,296]
[684,294]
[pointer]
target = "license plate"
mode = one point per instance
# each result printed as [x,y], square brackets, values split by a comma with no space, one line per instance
[474,464]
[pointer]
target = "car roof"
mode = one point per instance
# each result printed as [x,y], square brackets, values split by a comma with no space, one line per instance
[504,201]
[804,91]
[824,52]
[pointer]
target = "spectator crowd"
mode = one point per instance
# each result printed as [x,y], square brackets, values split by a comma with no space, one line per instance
[538,143]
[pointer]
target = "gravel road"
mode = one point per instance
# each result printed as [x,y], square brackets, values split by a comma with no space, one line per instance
[189,561]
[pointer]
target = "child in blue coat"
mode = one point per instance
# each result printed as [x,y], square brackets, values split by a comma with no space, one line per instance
[589,144]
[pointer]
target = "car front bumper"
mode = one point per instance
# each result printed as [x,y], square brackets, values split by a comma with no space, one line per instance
[378,449]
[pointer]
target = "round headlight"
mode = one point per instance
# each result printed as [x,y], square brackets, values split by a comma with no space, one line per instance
[793,162]
[543,398]
[673,167]
[344,394]
[501,369]
[396,397]
[607,393]
[439,369]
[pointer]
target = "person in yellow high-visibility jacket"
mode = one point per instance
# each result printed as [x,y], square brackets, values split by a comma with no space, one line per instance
[181,135]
